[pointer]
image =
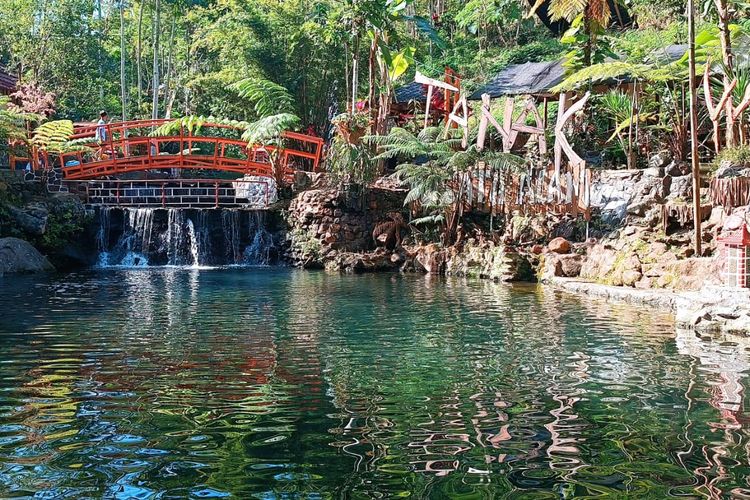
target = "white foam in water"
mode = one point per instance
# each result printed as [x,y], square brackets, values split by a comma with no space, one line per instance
[134,259]
[193,237]
[182,238]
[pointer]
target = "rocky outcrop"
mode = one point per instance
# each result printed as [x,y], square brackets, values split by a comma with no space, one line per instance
[366,262]
[429,258]
[489,261]
[32,219]
[54,223]
[715,309]
[326,221]
[19,256]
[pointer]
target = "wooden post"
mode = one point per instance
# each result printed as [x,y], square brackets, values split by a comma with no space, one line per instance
[694,131]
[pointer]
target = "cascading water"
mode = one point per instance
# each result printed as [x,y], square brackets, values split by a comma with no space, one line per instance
[102,236]
[175,236]
[134,243]
[195,254]
[230,225]
[184,237]
[258,252]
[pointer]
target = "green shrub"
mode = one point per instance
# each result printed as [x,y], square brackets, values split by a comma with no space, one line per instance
[739,155]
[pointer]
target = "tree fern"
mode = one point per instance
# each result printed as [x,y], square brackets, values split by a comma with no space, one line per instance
[270,128]
[53,136]
[597,10]
[265,130]
[602,72]
[13,123]
[269,98]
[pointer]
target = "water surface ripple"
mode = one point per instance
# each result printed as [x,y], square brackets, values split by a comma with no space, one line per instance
[273,383]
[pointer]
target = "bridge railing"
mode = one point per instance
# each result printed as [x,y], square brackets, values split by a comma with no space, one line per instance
[129,147]
[176,193]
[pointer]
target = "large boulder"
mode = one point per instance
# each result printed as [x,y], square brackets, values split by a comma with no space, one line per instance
[559,245]
[729,169]
[681,187]
[659,160]
[31,219]
[555,265]
[431,259]
[18,256]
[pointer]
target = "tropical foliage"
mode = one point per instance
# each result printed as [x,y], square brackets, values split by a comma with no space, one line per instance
[437,170]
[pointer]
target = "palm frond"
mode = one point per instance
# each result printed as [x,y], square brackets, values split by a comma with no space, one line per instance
[636,118]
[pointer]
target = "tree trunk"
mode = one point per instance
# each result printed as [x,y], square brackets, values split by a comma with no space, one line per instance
[722,8]
[588,46]
[139,57]
[371,74]
[168,74]
[355,72]
[123,86]
[694,131]
[99,53]
[155,100]
[346,76]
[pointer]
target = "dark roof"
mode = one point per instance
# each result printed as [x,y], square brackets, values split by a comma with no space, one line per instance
[413,91]
[669,54]
[8,82]
[527,78]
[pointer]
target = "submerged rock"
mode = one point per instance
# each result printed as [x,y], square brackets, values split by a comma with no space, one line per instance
[18,256]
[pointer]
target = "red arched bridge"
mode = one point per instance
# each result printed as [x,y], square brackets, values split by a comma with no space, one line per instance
[106,172]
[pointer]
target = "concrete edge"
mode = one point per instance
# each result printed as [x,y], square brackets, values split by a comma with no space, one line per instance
[659,299]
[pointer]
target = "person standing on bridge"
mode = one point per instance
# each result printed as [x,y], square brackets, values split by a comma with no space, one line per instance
[101,132]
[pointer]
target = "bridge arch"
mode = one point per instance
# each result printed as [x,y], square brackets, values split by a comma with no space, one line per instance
[131,148]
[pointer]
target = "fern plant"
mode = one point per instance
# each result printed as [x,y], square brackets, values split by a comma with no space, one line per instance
[437,171]
[269,98]
[13,122]
[54,137]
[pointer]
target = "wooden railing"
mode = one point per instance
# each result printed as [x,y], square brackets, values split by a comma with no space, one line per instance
[129,147]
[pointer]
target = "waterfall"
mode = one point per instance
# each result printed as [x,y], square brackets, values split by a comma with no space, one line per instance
[175,237]
[134,242]
[193,239]
[230,225]
[102,236]
[184,237]
[258,252]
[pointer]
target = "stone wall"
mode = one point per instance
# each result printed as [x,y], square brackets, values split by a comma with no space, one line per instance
[327,221]
[619,193]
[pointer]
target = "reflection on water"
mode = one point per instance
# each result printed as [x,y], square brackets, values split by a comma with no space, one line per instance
[278,383]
